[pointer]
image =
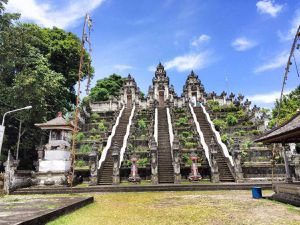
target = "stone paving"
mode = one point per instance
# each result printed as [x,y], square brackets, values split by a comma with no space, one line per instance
[24,209]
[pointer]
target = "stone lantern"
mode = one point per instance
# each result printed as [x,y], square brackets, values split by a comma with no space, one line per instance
[54,163]
[194,175]
[134,175]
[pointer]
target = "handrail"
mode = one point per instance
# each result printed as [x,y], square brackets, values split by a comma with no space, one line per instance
[123,149]
[109,140]
[156,125]
[171,134]
[202,140]
[218,137]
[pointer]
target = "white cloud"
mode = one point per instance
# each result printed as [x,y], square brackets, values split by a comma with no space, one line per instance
[266,99]
[243,44]
[278,61]
[49,15]
[290,34]
[200,40]
[268,7]
[122,67]
[189,61]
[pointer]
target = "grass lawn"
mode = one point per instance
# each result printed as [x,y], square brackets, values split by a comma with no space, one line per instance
[206,207]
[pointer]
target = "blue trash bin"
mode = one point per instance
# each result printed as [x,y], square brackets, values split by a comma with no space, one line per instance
[256,192]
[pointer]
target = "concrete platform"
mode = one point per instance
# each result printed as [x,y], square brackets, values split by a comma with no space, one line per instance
[33,210]
[144,188]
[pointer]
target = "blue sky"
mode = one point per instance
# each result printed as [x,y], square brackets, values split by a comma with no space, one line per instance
[233,45]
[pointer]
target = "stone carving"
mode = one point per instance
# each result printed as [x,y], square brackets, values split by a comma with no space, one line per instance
[154,169]
[215,175]
[176,161]
[93,163]
[116,169]
[297,167]
[239,176]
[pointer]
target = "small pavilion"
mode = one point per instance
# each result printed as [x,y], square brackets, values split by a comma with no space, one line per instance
[289,132]
[54,158]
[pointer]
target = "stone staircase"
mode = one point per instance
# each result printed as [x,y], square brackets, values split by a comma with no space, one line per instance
[165,167]
[106,171]
[225,173]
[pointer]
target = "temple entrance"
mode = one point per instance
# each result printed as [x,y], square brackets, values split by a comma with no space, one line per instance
[161,99]
[194,99]
[129,101]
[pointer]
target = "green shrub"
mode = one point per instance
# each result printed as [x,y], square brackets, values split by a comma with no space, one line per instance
[80,136]
[93,130]
[231,120]
[142,124]
[102,127]
[80,163]
[224,138]
[187,134]
[241,114]
[142,162]
[231,108]
[95,117]
[219,124]
[247,144]
[190,145]
[255,132]
[182,121]
[243,132]
[85,149]
[179,110]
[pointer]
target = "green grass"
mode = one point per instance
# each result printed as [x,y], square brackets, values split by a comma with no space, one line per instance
[206,207]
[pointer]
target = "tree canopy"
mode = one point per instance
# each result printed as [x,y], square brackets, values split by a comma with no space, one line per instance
[38,67]
[106,88]
[289,106]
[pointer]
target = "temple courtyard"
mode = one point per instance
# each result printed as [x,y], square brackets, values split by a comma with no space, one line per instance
[205,207]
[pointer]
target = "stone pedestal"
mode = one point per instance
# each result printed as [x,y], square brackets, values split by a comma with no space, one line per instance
[154,169]
[194,175]
[93,163]
[9,176]
[239,176]
[134,175]
[116,169]
[176,161]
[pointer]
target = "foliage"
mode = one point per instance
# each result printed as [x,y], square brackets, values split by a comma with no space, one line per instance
[80,163]
[142,124]
[246,145]
[95,117]
[190,145]
[38,67]
[187,134]
[213,105]
[85,149]
[142,95]
[219,124]
[102,127]
[179,110]
[106,88]
[80,136]
[182,121]
[290,104]
[224,138]
[186,159]
[142,162]
[93,130]
[231,120]
[241,114]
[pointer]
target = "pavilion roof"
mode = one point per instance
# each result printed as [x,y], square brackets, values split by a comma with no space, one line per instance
[59,123]
[289,132]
